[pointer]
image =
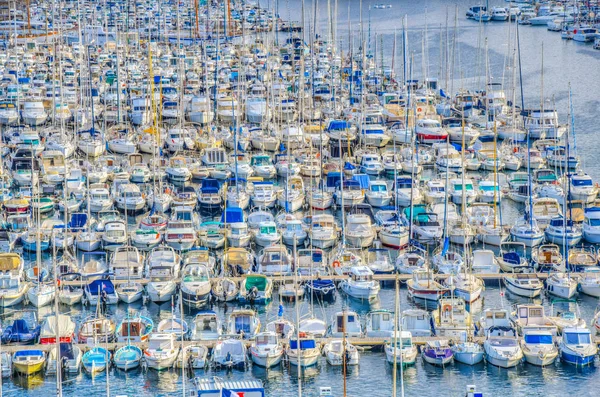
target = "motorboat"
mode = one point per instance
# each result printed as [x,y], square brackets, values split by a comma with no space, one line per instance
[134,329]
[563,231]
[539,348]
[411,260]
[547,257]
[576,347]
[229,353]
[206,326]
[195,285]
[401,349]
[303,352]
[423,286]
[502,347]
[192,357]
[466,351]
[102,290]
[360,284]
[161,352]
[523,284]
[70,357]
[437,352]
[451,318]
[275,260]
[266,351]
[256,289]
[561,285]
[28,362]
[340,352]
[163,265]
[512,257]
[243,323]
[359,231]
[12,287]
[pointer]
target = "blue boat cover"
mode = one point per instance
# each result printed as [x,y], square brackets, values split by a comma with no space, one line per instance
[232,215]
[97,286]
[24,353]
[66,350]
[209,189]
[304,344]
[333,178]
[20,327]
[362,179]
[512,257]
[336,125]
[78,221]
[210,182]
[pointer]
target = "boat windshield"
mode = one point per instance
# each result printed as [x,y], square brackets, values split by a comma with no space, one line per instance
[573,338]
[378,188]
[267,230]
[594,222]
[538,339]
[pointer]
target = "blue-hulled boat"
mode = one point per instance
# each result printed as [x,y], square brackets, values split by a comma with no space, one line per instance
[96,359]
[98,288]
[19,333]
[322,289]
[128,357]
[577,347]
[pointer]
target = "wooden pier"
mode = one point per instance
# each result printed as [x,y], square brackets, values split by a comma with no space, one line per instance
[488,277]
[363,343]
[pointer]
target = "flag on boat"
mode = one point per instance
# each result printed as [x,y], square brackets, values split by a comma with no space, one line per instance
[446,246]
[231,393]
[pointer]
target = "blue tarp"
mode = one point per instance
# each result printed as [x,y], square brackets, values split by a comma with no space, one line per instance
[333,179]
[78,221]
[336,125]
[210,182]
[232,215]
[25,353]
[97,286]
[209,189]
[304,344]
[512,258]
[362,179]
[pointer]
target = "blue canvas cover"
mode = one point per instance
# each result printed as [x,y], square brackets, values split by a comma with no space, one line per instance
[362,179]
[97,286]
[304,344]
[232,215]
[78,220]
[512,257]
[210,182]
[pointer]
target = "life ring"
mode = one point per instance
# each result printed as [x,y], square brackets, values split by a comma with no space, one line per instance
[447,308]
[336,263]
[419,110]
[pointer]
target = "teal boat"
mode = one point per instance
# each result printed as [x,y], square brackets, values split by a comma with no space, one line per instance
[128,357]
[96,359]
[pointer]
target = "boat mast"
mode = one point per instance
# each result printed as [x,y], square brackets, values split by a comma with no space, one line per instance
[57,339]
[298,351]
